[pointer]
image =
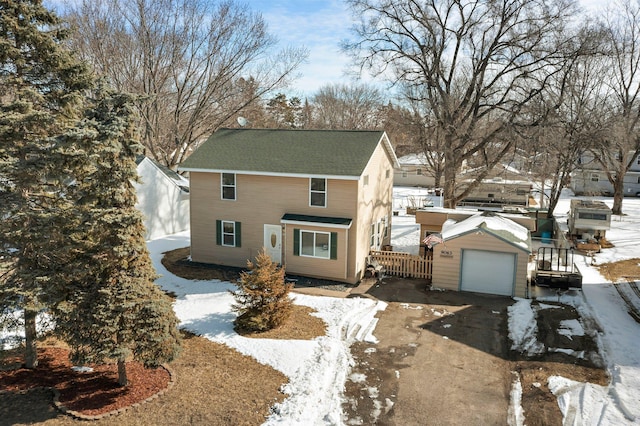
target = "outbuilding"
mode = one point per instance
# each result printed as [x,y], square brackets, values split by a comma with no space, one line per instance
[484,253]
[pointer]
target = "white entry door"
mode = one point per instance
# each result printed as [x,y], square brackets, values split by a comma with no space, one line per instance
[273,242]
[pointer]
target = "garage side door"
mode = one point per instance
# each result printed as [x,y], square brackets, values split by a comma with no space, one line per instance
[488,272]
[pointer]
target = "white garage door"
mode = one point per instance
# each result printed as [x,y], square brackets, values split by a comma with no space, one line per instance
[488,272]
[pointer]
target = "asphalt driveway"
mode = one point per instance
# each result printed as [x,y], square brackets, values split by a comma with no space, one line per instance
[442,359]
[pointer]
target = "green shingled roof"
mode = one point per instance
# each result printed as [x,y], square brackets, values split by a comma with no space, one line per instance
[309,152]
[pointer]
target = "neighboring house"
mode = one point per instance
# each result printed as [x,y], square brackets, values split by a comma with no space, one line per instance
[163,198]
[484,253]
[413,171]
[317,200]
[590,179]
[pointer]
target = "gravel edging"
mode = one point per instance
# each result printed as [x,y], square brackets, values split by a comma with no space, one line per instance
[78,415]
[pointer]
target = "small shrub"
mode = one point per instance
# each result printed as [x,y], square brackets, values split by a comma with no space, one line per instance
[262,301]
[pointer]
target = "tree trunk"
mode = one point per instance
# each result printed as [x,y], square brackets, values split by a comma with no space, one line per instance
[618,194]
[449,172]
[30,336]
[122,372]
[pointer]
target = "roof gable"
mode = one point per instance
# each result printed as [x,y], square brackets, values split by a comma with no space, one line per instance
[173,177]
[496,225]
[278,151]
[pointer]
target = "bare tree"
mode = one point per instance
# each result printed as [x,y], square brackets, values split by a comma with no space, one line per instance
[617,151]
[477,64]
[427,133]
[570,116]
[188,60]
[347,107]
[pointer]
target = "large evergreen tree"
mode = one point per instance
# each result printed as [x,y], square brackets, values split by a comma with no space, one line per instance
[72,241]
[113,309]
[42,90]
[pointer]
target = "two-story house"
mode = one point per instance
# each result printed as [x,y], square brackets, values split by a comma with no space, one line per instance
[590,179]
[316,200]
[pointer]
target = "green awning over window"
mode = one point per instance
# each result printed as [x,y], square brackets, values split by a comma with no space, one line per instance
[323,221]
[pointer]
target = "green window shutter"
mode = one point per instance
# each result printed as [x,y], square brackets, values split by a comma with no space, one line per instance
[237,234]
[219,232]
[296,242]
[334,245]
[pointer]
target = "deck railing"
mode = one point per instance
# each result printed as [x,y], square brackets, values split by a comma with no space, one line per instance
[404,265]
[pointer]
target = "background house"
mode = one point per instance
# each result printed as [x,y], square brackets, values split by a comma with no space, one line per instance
[589,178]
[317,200]
[163,198]
[413,170]
[484,253]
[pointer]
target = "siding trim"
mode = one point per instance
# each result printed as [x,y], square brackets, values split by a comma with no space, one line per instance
[259,173]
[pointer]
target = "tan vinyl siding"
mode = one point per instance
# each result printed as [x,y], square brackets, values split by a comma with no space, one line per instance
[259,200]
[374,203]
[447,270]
[334,269]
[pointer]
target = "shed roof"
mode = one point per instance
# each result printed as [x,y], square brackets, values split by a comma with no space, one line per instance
[338,153]
[496,225]
[175,178]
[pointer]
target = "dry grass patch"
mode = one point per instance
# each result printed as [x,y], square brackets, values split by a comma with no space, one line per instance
[614,271]
[215,385]
[301,325]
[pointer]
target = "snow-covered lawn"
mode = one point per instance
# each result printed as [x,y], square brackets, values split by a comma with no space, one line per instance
[317,369]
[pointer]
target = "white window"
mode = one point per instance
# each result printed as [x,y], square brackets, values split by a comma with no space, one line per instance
[228,182]
[365,180]
[315,244]
[318,192]
[419,172]
[404,174]
[595,177]
[378,233]
[228,233]
[372,236]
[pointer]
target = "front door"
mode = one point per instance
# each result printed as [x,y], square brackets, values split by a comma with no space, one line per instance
[273,242]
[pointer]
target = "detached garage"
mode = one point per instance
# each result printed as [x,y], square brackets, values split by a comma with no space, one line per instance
[485,253]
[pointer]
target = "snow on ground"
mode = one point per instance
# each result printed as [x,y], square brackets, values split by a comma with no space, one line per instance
[585,403]
[318,369]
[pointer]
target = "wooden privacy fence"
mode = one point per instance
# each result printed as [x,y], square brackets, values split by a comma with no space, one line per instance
[403,264]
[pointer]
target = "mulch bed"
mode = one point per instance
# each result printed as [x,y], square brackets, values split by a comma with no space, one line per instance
[92,393]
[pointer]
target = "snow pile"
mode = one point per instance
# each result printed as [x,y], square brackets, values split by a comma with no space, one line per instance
[523,328]
[570,328]
[515,416]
